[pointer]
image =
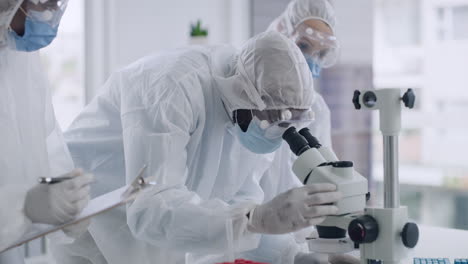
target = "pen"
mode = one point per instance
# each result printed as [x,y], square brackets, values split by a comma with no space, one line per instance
[50,180]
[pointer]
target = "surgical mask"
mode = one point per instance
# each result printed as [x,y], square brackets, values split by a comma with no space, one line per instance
[254,139]
[37,35]
[315,69]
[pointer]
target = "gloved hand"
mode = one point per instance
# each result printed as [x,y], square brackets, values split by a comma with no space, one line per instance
[60,202]
[313,258]
[295,209]
[78,229]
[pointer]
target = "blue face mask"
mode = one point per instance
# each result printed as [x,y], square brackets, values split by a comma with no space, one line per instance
[254,139]
[313,66]
[37,35]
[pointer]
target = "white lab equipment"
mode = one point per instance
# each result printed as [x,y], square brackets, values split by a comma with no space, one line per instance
[396,234]
[383,234]
[318,164]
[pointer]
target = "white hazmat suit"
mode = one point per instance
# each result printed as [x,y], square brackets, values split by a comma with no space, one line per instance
[32,144]
[29,137]
[172,112]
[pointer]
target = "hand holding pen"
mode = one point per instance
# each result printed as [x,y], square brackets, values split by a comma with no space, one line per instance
[58,200]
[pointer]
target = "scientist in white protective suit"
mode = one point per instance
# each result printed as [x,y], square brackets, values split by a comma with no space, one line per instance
[206,122]
[31,142]
[311,25]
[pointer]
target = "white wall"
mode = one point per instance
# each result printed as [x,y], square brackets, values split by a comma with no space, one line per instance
[355,30]
[139,29]
[121,31]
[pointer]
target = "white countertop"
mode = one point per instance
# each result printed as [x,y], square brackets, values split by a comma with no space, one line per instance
[436,242]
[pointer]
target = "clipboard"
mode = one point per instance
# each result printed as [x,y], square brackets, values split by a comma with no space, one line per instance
[96,206]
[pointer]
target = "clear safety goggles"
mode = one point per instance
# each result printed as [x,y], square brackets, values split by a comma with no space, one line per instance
[45,11]
[275,122]
[322,47]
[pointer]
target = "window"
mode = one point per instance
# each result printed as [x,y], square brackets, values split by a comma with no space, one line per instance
[64,60]
[433,170]
[452,22]
[398,38]
[460,22]
[401,20]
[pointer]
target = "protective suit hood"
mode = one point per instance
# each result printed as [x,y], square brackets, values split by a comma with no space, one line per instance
[256,77]
[8,9]
[299,11]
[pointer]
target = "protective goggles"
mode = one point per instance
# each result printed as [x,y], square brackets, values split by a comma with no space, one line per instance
[45,11]
[274,122]
[322,47]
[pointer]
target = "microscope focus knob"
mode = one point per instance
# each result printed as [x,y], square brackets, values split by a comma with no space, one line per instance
[363,229]
[410,235]
[356,103]
[409,98]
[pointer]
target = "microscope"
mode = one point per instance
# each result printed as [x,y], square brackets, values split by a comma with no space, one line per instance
[383,235]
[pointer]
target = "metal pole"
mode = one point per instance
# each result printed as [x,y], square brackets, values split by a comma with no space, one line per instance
[391,181]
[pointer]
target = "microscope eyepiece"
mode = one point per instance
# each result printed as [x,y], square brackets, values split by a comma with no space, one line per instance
[297,143]
[313,141]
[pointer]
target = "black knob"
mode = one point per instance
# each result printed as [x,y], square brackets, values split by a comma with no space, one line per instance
[409,98]
[369,99]
[363,229]
[342,164]
[368,196]
[410,235]
[356,103]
